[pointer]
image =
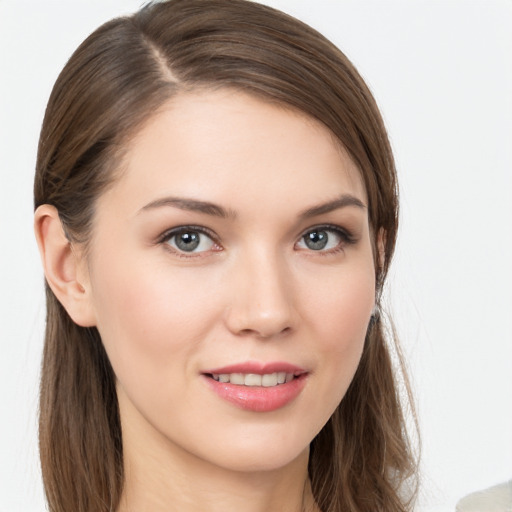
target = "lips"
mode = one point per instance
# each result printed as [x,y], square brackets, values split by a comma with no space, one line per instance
[256,386]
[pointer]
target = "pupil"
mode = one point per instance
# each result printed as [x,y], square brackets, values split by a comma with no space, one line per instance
[316,240]
[187,241]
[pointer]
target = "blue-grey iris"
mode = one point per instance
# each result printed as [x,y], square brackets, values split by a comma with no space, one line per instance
[187,241]
[316,240]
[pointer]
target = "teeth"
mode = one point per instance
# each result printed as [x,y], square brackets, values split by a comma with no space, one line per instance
[252,379]
[236,378]
[269,380]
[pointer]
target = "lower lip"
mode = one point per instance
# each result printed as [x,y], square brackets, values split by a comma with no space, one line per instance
[258,398]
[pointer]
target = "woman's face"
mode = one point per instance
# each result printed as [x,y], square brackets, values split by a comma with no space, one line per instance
[233,253]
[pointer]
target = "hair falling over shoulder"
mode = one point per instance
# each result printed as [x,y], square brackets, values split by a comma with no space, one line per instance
[362,460]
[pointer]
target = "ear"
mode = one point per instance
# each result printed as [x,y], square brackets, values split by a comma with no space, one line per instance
[64,267]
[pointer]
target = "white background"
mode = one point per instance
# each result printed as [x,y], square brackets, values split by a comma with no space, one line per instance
[442,74]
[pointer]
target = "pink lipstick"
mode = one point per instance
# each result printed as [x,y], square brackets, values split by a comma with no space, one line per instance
[257,387]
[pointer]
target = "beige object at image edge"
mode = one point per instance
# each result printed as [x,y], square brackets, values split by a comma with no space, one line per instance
[494,499]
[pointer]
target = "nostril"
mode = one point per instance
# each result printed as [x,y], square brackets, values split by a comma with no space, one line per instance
[267,333]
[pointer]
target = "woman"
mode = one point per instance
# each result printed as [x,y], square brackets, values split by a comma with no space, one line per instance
[216,210]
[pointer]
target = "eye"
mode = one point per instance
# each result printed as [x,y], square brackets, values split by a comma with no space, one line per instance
[323,239]
[189,240]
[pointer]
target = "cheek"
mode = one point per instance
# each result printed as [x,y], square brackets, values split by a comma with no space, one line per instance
[340,315]
[150,320]
[341,308]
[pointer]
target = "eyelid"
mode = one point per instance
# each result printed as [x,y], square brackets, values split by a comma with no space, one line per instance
[330,227]
[347,236]
[169,233]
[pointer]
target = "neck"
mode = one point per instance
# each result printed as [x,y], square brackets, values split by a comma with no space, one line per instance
[215,492]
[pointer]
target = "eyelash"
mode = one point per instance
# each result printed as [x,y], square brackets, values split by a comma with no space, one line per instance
[347,238]
[169,234]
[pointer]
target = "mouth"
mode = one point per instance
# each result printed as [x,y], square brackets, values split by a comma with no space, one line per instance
[267,380]
[257,387]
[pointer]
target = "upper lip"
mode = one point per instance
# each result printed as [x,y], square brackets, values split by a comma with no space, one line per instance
[258,368]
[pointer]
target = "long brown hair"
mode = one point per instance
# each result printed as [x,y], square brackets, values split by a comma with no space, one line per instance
[116,79]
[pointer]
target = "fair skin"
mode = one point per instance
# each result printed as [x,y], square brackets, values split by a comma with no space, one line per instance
[279,270]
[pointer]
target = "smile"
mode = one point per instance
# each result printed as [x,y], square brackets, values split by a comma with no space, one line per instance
[257,387]
[253,379]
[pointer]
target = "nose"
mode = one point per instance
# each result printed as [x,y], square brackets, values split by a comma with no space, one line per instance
[262,302]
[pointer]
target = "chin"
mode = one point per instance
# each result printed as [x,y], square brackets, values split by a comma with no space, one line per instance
[273,459]
[259,452]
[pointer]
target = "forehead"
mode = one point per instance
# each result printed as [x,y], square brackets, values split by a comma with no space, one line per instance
[233,148]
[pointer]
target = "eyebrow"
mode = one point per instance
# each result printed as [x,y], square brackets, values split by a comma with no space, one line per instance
[192,205]
[195,205]
[340,202]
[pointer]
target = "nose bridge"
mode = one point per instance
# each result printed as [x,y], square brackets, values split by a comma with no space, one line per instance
[262,301]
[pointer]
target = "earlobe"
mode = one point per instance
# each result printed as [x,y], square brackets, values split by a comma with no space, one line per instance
[63,267]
